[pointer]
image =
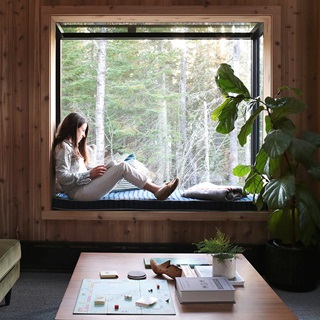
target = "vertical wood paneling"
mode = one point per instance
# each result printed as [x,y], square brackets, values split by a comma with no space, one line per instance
[23,126]
[7,204]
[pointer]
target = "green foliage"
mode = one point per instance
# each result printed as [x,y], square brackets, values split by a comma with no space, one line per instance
[283,159]
[220,246]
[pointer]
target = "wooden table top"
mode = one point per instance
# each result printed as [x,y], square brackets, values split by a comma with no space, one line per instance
[256,300]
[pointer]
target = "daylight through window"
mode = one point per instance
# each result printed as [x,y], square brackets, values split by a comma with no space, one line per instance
[149,90]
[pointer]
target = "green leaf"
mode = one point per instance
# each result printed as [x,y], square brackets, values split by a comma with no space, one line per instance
[285,125]
[302,151]
[279,225]
[312,137]
[285,106]
[276,143]
[259,201]
[279,191]
[314,171]
[254,183]
[217,111]
[309,211]
[246,129]
[307,203]
[261,161]
[228,116]
[241,170]
[295,90]
[228,83]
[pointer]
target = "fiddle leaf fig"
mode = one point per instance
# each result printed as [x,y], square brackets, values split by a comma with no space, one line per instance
[284,159]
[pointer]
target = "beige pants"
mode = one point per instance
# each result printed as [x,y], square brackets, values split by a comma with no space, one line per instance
[99,187]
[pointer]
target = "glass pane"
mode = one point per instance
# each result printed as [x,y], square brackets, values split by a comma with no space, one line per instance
[157,103]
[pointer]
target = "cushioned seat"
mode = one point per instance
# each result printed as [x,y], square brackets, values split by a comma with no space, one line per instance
[10,255]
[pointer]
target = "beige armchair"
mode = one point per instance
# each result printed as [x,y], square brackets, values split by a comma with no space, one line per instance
[10,255]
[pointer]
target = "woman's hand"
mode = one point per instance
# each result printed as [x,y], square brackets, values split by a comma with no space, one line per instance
[97,171]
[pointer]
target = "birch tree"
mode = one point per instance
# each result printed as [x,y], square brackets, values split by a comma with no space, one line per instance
[100,100]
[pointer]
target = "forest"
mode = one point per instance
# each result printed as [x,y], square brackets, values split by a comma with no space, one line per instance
[153,98]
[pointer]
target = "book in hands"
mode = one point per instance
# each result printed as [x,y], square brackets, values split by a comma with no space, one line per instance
[204,290]
[110,164]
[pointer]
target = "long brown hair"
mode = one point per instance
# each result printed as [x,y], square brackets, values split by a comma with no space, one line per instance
[68,130]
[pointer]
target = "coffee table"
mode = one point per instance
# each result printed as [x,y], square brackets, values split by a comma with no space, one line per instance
[256,300]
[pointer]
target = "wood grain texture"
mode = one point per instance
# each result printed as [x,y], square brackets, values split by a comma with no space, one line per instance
[27,117]
[256,300]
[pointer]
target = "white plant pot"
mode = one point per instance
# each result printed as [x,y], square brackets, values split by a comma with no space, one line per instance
[227,267]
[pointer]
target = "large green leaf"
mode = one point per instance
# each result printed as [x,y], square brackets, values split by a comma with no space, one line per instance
[246,129]
[309,210]
[312,137]
[254,183]
[276,143]
[261,162]
[217,111]
[279,191]
[228,83]
[228,116]
[302,151]
[314,171]
[280,225]
[308,204]
[285,125]
[241,170]
[285,106]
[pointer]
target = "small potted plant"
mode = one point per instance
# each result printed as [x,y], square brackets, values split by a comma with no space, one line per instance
[223,252]
[282,177]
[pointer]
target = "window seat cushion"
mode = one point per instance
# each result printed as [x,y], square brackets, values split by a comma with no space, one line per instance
[144,200]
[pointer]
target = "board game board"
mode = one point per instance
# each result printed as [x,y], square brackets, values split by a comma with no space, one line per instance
[121,297]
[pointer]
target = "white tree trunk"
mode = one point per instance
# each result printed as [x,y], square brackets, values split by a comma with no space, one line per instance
[100,100]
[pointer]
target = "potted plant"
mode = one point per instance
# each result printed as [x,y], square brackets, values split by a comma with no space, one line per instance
[223,252]
[281,178]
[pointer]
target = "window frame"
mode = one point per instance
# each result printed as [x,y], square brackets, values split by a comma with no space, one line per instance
[50,16]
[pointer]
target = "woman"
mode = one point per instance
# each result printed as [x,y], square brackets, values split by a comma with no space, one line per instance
[82,183]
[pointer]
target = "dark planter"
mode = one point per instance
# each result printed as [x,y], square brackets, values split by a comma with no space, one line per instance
[292,269]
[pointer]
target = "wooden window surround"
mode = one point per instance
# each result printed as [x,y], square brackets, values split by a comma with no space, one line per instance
[270,16]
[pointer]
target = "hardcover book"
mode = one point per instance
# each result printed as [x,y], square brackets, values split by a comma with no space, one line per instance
[204,290]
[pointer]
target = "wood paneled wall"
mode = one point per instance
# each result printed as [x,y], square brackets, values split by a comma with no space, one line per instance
[21,74]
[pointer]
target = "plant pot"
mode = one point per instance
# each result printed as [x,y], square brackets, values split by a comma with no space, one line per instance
[292,269]
[223,266]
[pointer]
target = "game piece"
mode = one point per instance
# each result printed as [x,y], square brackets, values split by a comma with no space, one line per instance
[99,300]
[137,275]
[116,307]
[158,287]
[146,301]
[108,274]
[127,297]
